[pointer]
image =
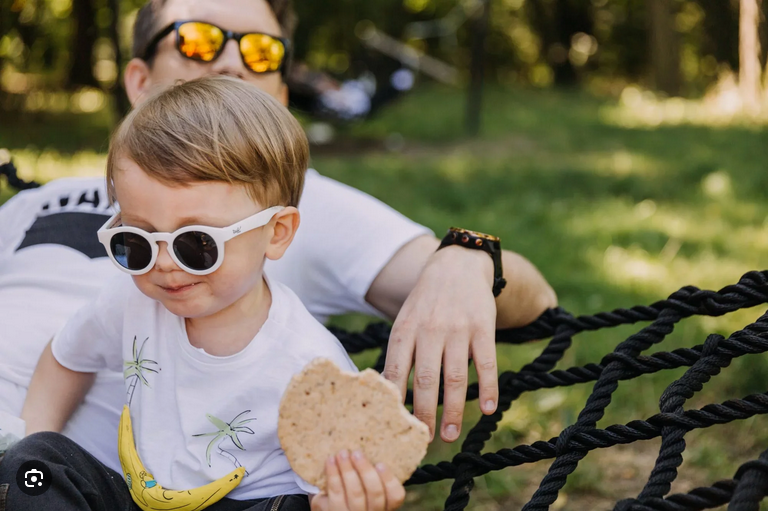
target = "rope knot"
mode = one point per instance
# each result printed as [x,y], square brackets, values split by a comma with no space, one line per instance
[565,439]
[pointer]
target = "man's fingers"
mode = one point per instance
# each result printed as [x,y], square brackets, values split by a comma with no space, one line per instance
[426,382]
[397,366]
[353,487]
[336,499]
[392,487]
[454,393]
[374,488]
[484,356]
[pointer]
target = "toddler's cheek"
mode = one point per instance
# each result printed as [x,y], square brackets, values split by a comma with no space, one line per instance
[143,284]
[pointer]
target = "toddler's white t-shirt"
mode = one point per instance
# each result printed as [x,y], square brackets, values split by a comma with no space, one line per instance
[52,264]
[196,417]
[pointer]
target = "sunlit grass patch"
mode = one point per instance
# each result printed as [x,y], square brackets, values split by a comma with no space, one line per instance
[722,106]
[50,164]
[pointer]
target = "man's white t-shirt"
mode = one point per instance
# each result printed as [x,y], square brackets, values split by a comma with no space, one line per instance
[51,264]
[196,417]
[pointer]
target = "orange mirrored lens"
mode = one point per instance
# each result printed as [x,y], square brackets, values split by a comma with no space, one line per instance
[200,40]
[261,52]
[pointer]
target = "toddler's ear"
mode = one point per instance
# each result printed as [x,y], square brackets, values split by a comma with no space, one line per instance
[286,222]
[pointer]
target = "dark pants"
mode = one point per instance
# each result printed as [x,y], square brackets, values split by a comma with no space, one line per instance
[81,482]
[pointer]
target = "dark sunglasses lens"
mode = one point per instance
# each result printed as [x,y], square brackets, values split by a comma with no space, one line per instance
[196,250]
[200,41]
[132,251]
[262,53]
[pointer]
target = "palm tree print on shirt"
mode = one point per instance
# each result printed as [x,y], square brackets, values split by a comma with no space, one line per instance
[227,430]
[135,369]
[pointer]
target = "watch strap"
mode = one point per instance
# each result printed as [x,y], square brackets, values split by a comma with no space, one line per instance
[479,241]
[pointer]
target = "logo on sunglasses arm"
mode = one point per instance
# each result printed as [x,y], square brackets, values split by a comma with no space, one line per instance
[237,231]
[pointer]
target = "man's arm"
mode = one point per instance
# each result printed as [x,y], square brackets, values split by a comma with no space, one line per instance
[445,310]
[54,394]
[526,295]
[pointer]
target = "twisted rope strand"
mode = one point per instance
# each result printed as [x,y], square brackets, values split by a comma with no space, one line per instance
[482,431]
[595,407]
[672,401]
[617,434]
[752,486]
[745,490]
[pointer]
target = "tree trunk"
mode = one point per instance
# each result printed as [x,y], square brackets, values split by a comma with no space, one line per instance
[765,84]
[749,54]
[84,36]
[475,94]
[721,29]
[571,17]
[556,22]
[122,105]
[665,47]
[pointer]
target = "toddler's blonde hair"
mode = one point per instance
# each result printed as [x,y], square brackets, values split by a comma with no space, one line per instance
[215,129]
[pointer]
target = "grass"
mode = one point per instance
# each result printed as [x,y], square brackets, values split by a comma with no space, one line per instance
[613,216]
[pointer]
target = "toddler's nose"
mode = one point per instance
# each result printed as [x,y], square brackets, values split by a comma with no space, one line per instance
[164,260]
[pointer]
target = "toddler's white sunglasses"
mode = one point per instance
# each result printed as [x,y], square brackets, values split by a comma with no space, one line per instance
[197,249]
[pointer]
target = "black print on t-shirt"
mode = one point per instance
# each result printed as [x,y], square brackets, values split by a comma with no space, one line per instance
[71,220]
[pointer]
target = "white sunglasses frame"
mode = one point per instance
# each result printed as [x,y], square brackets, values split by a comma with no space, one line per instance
[219,234]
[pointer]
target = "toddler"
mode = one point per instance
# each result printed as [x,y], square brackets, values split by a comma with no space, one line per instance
[207,175]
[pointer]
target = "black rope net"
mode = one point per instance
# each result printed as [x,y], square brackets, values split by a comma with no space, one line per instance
[8,169]
[744,491]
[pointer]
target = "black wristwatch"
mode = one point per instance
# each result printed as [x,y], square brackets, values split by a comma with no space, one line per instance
[479,241]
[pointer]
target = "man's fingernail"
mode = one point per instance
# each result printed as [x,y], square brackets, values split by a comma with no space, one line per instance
[380,467]
[332,460]
[451,431]
[357,455]
[344,454]
[490,405]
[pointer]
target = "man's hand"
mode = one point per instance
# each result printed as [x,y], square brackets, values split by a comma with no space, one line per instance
[445,312]
[450,313]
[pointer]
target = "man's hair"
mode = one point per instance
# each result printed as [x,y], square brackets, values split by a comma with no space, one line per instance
[146,27]
[215,128]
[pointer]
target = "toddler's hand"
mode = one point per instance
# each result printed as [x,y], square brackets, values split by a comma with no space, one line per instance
[355,485]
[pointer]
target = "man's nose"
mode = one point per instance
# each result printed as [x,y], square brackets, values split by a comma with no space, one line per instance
[229,61]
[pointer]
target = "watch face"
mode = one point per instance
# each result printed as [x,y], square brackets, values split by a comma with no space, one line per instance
[475,233]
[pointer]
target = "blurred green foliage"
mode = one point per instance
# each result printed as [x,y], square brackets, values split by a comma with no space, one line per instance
[52,45]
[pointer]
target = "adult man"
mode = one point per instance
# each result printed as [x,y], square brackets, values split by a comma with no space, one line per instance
[351,254]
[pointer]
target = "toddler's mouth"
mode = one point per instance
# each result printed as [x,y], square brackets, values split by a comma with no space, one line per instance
[178,289]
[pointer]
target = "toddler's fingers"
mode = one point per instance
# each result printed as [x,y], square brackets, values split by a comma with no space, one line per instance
[353,487]
[374,489]
[319,502]
[392,487]
[336,500]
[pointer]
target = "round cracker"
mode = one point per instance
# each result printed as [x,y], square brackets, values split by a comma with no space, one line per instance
[325,410]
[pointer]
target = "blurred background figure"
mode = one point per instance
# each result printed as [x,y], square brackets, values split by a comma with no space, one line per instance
[618,144]
[319,95]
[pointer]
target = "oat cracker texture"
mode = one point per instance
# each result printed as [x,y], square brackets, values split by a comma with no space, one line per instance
[325,410]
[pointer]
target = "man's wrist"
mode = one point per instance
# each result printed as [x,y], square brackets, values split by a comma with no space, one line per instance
[466,260]
[478,241]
